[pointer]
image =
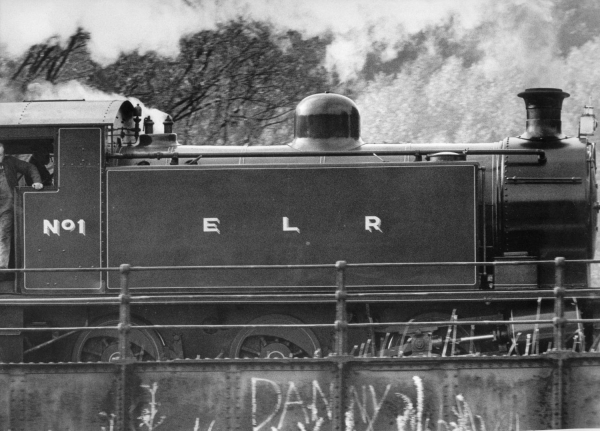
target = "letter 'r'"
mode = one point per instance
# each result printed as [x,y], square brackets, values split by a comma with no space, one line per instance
[373,222]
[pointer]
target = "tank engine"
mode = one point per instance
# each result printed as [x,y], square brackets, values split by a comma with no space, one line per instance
[119,196]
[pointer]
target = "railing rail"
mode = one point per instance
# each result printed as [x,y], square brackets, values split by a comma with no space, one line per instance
[341,296]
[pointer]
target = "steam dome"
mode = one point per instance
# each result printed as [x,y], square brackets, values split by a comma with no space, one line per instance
[327,122]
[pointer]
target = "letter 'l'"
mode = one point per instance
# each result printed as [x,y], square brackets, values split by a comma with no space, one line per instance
[287,228]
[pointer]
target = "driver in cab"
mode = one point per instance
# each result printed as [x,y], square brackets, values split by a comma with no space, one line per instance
[10,167]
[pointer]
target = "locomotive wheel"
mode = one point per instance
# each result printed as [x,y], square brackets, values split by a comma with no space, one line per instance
[274,342]
[103,345]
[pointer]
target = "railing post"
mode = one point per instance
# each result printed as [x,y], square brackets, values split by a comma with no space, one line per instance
[124,312]
[341,347]
[559,341]
[341,322]
[559,304]
[123,399]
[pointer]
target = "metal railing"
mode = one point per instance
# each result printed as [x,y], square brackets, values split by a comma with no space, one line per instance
[340,326]
[126,367]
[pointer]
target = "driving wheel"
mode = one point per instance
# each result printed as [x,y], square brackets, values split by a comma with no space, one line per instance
[103,345]
[275,342]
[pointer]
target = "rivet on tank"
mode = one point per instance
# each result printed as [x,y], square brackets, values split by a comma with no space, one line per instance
[326,122]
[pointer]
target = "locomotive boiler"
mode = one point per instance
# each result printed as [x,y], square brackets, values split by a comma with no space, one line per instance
[242,235]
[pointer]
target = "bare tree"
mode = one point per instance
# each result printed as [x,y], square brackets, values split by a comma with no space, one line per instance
[237,84]
[227,86]
[54,62]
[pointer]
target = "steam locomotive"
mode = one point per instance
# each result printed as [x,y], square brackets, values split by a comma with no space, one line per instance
[121,196]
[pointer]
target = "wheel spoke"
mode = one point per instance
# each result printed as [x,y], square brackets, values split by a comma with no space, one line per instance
[94,347]
[255,347]
[91,352]
[249,350]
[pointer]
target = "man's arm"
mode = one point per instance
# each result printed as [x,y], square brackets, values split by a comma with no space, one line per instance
[30,171]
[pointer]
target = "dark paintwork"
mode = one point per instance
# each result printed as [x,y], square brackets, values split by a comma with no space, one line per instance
[164,208]
[553,218]
[75,197]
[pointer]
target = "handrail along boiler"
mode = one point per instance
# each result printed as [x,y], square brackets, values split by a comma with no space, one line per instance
[122,196]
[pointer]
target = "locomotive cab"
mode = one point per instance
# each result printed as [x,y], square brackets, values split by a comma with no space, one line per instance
[61,225]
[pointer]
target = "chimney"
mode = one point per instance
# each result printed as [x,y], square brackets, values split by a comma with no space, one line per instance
[543,113]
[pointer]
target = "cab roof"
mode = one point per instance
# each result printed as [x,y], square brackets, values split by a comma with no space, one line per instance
[65,112]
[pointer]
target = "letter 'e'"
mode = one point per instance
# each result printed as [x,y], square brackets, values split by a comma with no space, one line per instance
[210,225]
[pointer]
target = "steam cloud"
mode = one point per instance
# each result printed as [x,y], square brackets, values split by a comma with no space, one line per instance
[74,90]
[122,26]
[516,37]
